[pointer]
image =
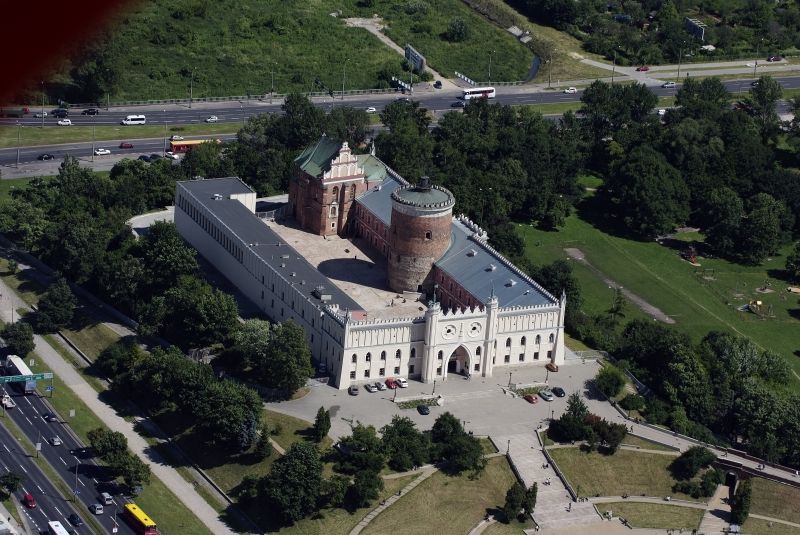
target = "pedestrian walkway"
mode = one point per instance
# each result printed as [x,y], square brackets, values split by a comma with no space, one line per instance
[10,526]
[388,502]
[554,504]
[482,525]
[182,489]
[715,520]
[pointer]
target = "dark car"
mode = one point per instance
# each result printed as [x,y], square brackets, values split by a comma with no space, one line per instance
[530,398]
[754,83]
[353,390]
[423,409]
[458,104]
[558,391]
[91,111]
[144,158]
[75,520]
[438,84]
[643,68]
[126,145]
[49,417]
[60,113]
[775,58]
[154,157]
[46,157]
[29,501]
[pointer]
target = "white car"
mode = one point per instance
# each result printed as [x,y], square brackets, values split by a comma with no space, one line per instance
[371,110]
[662,112]
[101,152]
[40,114]
[176,138]
[571,90]
[171,155]
[212,119]
[55,441]
[667,85]
[402,383]
[96,508]
[64,122]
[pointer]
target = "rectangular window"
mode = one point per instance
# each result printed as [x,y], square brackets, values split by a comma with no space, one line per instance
[507,359]
[549,354]
[477,367]
[521,357]
[382,372]
[410,369]
[355,358]
[397,370]
[352,375]
[439,370]
[536,356]
[366,374]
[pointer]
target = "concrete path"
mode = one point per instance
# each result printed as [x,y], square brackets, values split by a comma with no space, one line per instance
[182,489]
[715,520]
[775,520]
[554,505]
[482,525]
[387,503]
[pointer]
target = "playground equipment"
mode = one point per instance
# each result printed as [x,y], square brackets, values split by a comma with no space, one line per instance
[759,309]
[690,254]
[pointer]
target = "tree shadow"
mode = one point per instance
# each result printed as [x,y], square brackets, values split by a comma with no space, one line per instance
[794,312]
[780,274]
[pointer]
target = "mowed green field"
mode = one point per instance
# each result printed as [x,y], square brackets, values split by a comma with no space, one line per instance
[236,47]
[698,299]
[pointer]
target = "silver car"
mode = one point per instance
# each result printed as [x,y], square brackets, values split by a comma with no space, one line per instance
[546,395]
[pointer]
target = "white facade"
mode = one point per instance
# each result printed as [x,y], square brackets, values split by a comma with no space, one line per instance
[425,348]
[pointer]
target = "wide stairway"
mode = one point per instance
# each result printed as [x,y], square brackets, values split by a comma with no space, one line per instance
[554,505]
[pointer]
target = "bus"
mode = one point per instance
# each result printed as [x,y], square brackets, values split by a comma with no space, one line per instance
[134,119]
[139,521]
[16,366]
[479,92]
[186,145]
[56,528]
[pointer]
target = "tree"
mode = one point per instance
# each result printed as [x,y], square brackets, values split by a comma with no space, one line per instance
[322,424]
[761,228]
[740,508]
[228,413]
[207,160]
[361,450]
[13,266]
[610,434]
[56,306]
[335,489]
[199,315]
[404,444]
[725,211]
[609,381]
[19,338]
[464,452]
[166,258]
[793,263]
[457,30]
[10,482]
[366,486]
[529,503]
[133,470]
[445,428]
[251,343]
[107,444]
[691,461]
[288,363]
[763,99]
[263,445]
[294,484]
[558,278]
[515,497]
[576,407]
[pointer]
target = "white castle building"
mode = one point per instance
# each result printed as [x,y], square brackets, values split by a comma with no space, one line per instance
[380,275]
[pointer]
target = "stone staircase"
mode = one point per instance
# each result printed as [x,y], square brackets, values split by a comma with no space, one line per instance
[554,505]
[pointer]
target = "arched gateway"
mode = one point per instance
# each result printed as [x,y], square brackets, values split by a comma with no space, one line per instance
[459,361]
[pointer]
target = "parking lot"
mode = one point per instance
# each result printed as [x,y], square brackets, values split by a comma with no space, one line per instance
[484,404]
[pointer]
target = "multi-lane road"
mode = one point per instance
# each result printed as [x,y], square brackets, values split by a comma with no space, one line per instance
[240,111]
[71,460]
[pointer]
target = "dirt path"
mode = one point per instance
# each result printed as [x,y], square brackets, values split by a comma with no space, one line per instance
[644,306]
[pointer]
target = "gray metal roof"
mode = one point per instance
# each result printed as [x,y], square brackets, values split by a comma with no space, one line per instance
[378,199]
[482,271]
[264,242]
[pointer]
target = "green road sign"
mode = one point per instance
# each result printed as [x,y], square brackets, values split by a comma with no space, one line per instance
[22,378]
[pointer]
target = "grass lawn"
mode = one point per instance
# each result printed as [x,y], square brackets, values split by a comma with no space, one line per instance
[633,440]
[512,528]
[50,135]
[655,516]
[775,500]
[27,290]
[92,339]
[445,504]
[6,185]
[626,471]
[487,446]
[756,526]
[699,299]
[12,509]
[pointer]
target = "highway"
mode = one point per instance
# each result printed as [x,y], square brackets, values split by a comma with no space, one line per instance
[91,478]
[434,100]
[50,506]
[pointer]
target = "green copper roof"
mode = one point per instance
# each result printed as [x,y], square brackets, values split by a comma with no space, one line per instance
[424,195]
[316,158]
[374,169]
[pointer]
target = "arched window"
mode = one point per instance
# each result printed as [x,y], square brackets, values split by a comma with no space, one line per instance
[333,210]
[552,338]
[428,234]
[478,351]
[355,357]
[523,341]
[383,355]
[369,357]
[508,342]
[335,193]
[441,355]
[398,354]
[538,339]
[413,352]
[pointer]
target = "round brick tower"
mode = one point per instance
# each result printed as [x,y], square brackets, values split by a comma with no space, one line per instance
[419,234]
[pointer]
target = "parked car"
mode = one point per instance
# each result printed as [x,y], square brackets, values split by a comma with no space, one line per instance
[402,383]
[371,387]
[45,157]
[101,152]
[558,391]
[458,104]
[40,114]
[423,409]
[96,508]
[353,390]
[212,119]
[372,109]
[64,122]
[571,90]
[144,158]
[775,58]
[176,138]
[546,395]
[391,384]
[174,156]
[91,111]
[530,398]
[55,441]
[75,520]
[380,386]
[437,84]
[643,68]
[29,501]
[154,157]
[126,145]
[668,85]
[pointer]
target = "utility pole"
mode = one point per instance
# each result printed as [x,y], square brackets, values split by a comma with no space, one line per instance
[680,57]
[108,101]
[490,65]
[614,66]
[93,123]
[165,130]
[19,126]
[344,73]
[191,87]
[42,104]
[272,75]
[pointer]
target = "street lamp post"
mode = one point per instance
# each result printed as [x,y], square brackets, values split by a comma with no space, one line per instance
[509,379]
[19,127]
[77,463]
[191,87]
[614,65]
[42,104]
[93,123]
[272,77]
[434,387]
[165,130]
[490,65]
[758,51]
[344,73]
[680,58]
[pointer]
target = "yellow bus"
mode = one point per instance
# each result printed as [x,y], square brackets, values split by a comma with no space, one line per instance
[139,521]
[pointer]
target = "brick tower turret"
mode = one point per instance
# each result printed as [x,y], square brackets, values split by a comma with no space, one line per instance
[419,234]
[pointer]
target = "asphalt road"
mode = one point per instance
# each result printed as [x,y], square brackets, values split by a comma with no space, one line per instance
[236,112]
[50,506]
[91,478]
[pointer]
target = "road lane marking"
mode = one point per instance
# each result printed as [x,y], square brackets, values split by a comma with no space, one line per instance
[59,512]
[81,482]
[62,460]
[40,489]
[23,469]
[29,420]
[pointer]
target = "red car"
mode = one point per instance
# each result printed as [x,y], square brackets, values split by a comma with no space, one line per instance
[126,145]
[29,501]
[643,68]
[530,398]
[391,383]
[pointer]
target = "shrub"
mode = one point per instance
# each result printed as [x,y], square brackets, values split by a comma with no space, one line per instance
[632,402]
[610,381]
[457,30]
[656,411]
[691,461]
[740,508]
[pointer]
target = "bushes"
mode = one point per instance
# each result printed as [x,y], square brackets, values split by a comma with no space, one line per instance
[610,381]
[632,402]
[691,461]
[740,507]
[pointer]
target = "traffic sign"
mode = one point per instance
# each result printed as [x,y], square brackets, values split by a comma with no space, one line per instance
[38,446]
[49,388]
[22,378]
